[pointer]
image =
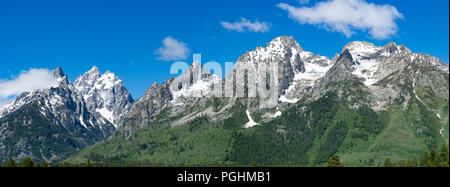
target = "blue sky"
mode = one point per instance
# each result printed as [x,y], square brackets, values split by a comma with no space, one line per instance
[124,36]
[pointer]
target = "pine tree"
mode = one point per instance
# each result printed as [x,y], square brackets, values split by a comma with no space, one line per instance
[387,162]
[88,164]
[434,159]
[401,163]
[27,162]
[423,159]
[413,163]
[335,161]
[44,163]
[444,154]
[10,163]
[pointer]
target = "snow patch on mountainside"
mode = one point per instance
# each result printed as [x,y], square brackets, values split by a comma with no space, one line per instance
[109,115]
[200,88]
[284,99]
[359,49]
[107,81]
[250,122]
[366,69]
[82,122]
[197,89]
[315,68]
[366,65]
[312,72]
[277,114]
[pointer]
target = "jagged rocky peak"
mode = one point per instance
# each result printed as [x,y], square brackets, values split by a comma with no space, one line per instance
[155,85]
[61,78]
[27,97]
[393,48]
[361,47]
[281,44]
[346,54]
[430,61]
[55,112]
[281,50]
[284,42]
[104,94]
[150,91]
[94,70]
[89,77]
[58,72]
[361,50]
[372,63]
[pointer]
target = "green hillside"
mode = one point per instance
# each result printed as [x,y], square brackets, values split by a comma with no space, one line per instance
[305,134]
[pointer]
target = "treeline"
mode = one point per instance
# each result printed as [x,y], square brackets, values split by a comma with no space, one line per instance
[26,163]
[427,159]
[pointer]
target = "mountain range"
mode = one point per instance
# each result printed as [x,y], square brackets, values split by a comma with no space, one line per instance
[365,104]
[51,123]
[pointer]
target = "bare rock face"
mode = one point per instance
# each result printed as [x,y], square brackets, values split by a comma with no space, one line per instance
[154,101]
[173,99]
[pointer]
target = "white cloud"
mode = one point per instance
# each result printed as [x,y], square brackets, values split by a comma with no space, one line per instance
[345,16]
[34,79]
[173,50]
[245,25]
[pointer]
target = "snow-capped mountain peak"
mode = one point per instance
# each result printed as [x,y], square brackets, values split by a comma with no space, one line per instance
[94,70]
[283,43]
[361,47]
[361,50]
[372,63]
[276,51]
[27,97]
[104,94]
[61,78]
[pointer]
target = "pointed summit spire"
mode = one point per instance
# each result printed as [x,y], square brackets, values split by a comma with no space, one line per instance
[58,72]
[286,41]
[94,69]
[94,72]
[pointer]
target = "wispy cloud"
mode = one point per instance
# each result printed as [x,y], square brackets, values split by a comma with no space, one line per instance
[304,2]
[33,79]
[345,16]
[245,25]
[173,49]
